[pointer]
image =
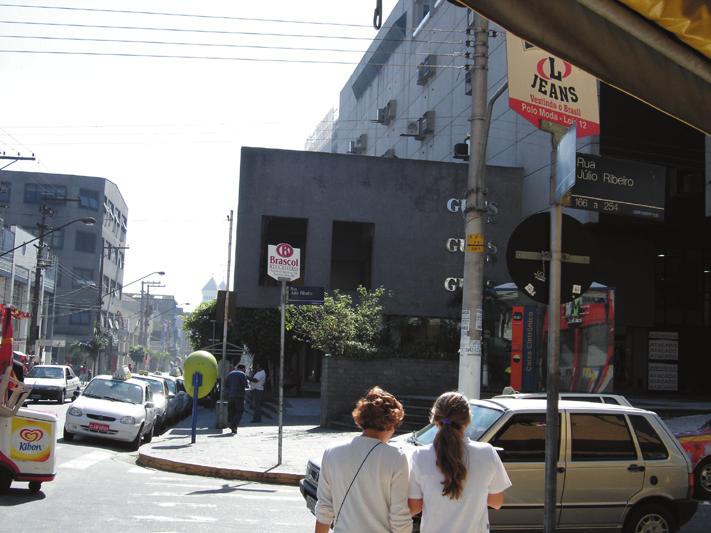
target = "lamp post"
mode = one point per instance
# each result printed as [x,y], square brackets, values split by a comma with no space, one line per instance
[33,334]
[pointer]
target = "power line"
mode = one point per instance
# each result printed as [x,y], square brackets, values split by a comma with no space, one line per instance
[216,32]
[218,58]
[207,17]
[218,45]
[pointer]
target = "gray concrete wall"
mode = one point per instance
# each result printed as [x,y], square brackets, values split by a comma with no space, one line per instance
[406,200]
[344,381]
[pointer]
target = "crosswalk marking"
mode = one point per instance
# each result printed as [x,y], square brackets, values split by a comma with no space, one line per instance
[186,504]
[85,461]
[140,470]
[188,519]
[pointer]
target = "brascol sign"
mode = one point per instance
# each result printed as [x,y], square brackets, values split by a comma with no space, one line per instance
[283,261]
[544,87]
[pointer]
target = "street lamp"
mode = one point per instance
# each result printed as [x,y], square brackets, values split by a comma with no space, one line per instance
[33,334]
[89,221]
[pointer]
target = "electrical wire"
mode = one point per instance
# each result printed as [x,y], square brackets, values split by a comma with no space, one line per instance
[215,32]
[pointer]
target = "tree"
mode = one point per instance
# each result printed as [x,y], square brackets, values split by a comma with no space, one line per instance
[199,324]
[340,326]
[137,354]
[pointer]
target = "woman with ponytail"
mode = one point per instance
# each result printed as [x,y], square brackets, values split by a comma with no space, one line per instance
[453,480]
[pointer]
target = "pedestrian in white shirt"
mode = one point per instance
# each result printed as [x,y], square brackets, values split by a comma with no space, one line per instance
[453,480]
[256,387]
[362,486]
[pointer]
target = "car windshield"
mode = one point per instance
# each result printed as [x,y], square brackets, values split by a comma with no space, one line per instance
[482,419]
[46,372]
[171,386]
[115,390]
[155,385]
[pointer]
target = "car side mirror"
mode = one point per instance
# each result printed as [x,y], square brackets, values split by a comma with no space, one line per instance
[171,395]
[150,405]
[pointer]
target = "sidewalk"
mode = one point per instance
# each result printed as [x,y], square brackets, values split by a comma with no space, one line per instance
[252,453]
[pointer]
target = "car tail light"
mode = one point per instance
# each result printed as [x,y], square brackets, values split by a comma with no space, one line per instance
[691,486]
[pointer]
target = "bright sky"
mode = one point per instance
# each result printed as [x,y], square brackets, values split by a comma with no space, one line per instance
[168,132]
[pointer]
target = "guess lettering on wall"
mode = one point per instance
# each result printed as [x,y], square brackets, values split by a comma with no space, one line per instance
[544,87]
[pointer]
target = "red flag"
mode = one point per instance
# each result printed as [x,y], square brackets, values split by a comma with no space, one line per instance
[6,345]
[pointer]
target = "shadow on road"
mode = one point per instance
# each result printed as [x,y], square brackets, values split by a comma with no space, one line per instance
[226,489]
[13,497]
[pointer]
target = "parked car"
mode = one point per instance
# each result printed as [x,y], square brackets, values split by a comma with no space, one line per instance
[185,402]
[52,382]
[597,397]
[694,434]
[115,408]
[179,399]
[161,399]
[618,466]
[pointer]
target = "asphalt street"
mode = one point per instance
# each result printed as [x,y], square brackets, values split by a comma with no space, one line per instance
[99,488]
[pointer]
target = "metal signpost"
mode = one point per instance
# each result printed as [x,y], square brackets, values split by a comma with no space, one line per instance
[559,98]
[283,264]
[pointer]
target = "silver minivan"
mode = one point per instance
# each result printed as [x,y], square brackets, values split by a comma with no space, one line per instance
[618,467]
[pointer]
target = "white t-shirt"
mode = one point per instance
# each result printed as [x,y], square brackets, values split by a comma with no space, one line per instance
[468,514]
[377,501]
[261,377]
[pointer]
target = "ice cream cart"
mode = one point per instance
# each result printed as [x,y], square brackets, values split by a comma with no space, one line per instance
[27,437]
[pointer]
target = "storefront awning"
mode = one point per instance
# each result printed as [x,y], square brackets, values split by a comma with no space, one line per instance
[658,51]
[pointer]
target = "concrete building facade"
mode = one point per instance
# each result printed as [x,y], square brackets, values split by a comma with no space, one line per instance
[88,257]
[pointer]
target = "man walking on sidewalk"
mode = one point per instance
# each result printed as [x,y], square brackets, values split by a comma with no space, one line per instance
[235,384]
[257,388]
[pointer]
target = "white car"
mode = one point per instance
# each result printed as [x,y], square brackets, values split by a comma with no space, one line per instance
[52,382]
[116,408]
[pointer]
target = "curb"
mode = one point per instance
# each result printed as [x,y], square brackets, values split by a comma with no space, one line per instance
[277,478]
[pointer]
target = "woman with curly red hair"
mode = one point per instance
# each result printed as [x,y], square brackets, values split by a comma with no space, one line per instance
[362,485]
[453,480]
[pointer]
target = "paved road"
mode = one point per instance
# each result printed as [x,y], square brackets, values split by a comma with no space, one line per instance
[99,488]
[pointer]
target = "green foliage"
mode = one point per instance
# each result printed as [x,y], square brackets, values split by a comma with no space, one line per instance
[258,329]
[340,327]
[137,354]
[92,347]
[198,324]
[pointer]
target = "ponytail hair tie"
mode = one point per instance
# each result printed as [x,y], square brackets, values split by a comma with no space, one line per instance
[446,421]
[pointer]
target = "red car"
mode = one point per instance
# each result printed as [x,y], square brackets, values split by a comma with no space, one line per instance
[694,433]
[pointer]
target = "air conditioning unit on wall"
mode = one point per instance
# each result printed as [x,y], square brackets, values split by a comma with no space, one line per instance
[386,114]
[426,69]
[359,146]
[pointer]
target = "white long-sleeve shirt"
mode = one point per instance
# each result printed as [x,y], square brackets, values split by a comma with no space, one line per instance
[377,501]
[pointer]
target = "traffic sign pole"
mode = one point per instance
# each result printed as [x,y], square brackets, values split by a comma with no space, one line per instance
[281,367]
[553,366]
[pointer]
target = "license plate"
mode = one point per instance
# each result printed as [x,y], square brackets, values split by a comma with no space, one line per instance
[311,504]
[101,428]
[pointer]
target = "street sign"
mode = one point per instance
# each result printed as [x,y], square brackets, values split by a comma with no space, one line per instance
[565,164]
[283,262]
[528,258]
[544,87]
[619,187]
[306,295]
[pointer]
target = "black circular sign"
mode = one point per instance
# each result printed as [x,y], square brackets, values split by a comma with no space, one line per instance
[530,271]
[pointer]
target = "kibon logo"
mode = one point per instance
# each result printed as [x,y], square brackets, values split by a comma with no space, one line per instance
[31,435]
[284,250]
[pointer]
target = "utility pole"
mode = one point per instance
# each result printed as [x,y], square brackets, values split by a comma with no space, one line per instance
[33,334]
[222,410]
[146,309]
[470,348]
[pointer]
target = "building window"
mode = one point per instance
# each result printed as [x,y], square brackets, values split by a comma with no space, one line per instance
[107,285]
[83,277]
[89,199]
[351,255]
[85,242]
[119,290]
[56,240]
[80,318]
[36,193]
[5,189]
[276,230]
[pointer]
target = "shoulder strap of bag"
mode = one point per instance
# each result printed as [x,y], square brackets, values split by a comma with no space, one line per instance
[353,480]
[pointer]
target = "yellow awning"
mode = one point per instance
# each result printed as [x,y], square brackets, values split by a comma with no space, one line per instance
[690,20]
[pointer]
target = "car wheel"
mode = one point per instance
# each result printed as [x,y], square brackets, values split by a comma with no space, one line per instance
[703,479]
[35,486]
[68,436]
[648,518]
[136,443]
[5,479]
[62,396]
